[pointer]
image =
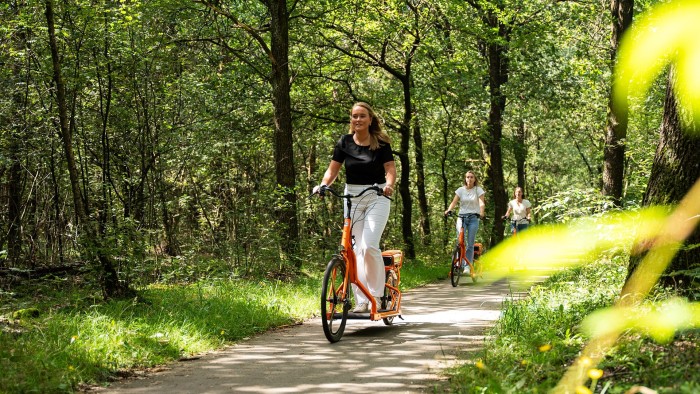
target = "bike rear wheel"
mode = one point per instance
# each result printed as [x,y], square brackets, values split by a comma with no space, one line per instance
[334,300]
[478,270]
[456,267]
[391,280]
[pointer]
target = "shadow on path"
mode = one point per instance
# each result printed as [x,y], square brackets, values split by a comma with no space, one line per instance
[407,357]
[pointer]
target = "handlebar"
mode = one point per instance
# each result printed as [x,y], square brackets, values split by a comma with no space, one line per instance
[323,189]
[518,221]
[450,213]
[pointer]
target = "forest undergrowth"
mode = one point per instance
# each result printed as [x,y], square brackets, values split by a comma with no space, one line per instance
[57,337]
[519,356]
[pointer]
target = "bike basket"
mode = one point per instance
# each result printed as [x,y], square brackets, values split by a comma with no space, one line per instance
[392,258]
[478,249]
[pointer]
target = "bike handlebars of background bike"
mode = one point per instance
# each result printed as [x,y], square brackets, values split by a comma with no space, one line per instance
[483,218]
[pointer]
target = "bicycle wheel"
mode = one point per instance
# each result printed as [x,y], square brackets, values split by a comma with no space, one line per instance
[391,280]
[456,267]
[478,269]
[475,271]
[334,300]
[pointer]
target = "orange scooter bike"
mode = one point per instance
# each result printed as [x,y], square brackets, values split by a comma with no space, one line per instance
[459,256]
[341,272]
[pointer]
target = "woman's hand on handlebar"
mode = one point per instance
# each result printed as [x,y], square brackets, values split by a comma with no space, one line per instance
[448,213]
[320,190]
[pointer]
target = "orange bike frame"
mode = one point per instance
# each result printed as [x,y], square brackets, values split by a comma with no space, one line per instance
[351,267]
[463,248]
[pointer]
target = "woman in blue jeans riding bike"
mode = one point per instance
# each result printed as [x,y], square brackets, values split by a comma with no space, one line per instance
[520,207]
[471,208]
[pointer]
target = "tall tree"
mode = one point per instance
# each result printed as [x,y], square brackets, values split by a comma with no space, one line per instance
[616,129]
[111,286]
[496,47]
[674,171]
[17,131]
[278,54]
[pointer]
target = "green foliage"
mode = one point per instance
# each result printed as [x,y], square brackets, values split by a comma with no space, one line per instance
[519,356]
[570,204]
[86,343]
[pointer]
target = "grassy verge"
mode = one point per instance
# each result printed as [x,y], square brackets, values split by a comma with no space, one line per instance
[55,340]
[538,337]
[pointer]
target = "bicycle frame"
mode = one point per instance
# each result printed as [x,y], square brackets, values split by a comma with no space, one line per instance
[462,258]
[348,255]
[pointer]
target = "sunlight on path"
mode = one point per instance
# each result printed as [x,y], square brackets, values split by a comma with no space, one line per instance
[406,357]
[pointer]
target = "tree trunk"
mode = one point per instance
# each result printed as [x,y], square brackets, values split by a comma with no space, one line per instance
[18,123]
[521,155]
[108,275]
[405,182]
[675,170]
[420,183]
[498,76]
[616,129]
[284,143]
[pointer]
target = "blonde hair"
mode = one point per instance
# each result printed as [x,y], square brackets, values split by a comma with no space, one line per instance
[476,179]
[376,131]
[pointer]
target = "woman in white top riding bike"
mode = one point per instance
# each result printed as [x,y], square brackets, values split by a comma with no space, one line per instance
[471,208]
[521,211]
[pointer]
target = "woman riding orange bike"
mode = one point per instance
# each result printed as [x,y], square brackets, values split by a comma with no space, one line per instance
[520,207]
[366,153]
[342,273]
[470,198]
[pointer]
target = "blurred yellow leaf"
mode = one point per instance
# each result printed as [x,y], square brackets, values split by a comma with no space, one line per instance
[544,249]
[666,34]
[660,323]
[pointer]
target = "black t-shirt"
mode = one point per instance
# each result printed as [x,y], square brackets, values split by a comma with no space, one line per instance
[362,165]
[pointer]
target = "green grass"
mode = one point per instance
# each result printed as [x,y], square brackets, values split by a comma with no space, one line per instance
[538,337]
[78,340]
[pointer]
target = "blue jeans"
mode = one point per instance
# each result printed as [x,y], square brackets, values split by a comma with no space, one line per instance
[471,226]
[521,226]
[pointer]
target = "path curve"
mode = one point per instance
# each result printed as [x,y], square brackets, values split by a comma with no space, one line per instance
[407,357]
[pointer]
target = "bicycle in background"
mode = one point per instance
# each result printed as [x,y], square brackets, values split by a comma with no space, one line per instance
[341,272]
[517,225]
[459,256]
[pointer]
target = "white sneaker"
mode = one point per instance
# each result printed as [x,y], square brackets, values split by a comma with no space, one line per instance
[466,270]
[379,302]
[361,308]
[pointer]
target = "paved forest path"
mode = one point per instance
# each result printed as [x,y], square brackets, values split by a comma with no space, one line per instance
[407,357]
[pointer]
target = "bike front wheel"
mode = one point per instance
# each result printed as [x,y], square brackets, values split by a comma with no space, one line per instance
[456,267]
[334,300]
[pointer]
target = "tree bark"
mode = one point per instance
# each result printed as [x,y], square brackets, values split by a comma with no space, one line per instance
[496,52]
[18,122]
[420,183]
[675,170]
[521,155]
[284,143]
[616,129]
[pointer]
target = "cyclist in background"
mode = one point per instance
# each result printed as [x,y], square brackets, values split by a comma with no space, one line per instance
[520,207]
[470,197]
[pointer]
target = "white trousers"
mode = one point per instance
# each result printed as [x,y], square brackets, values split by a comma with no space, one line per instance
[370,214]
